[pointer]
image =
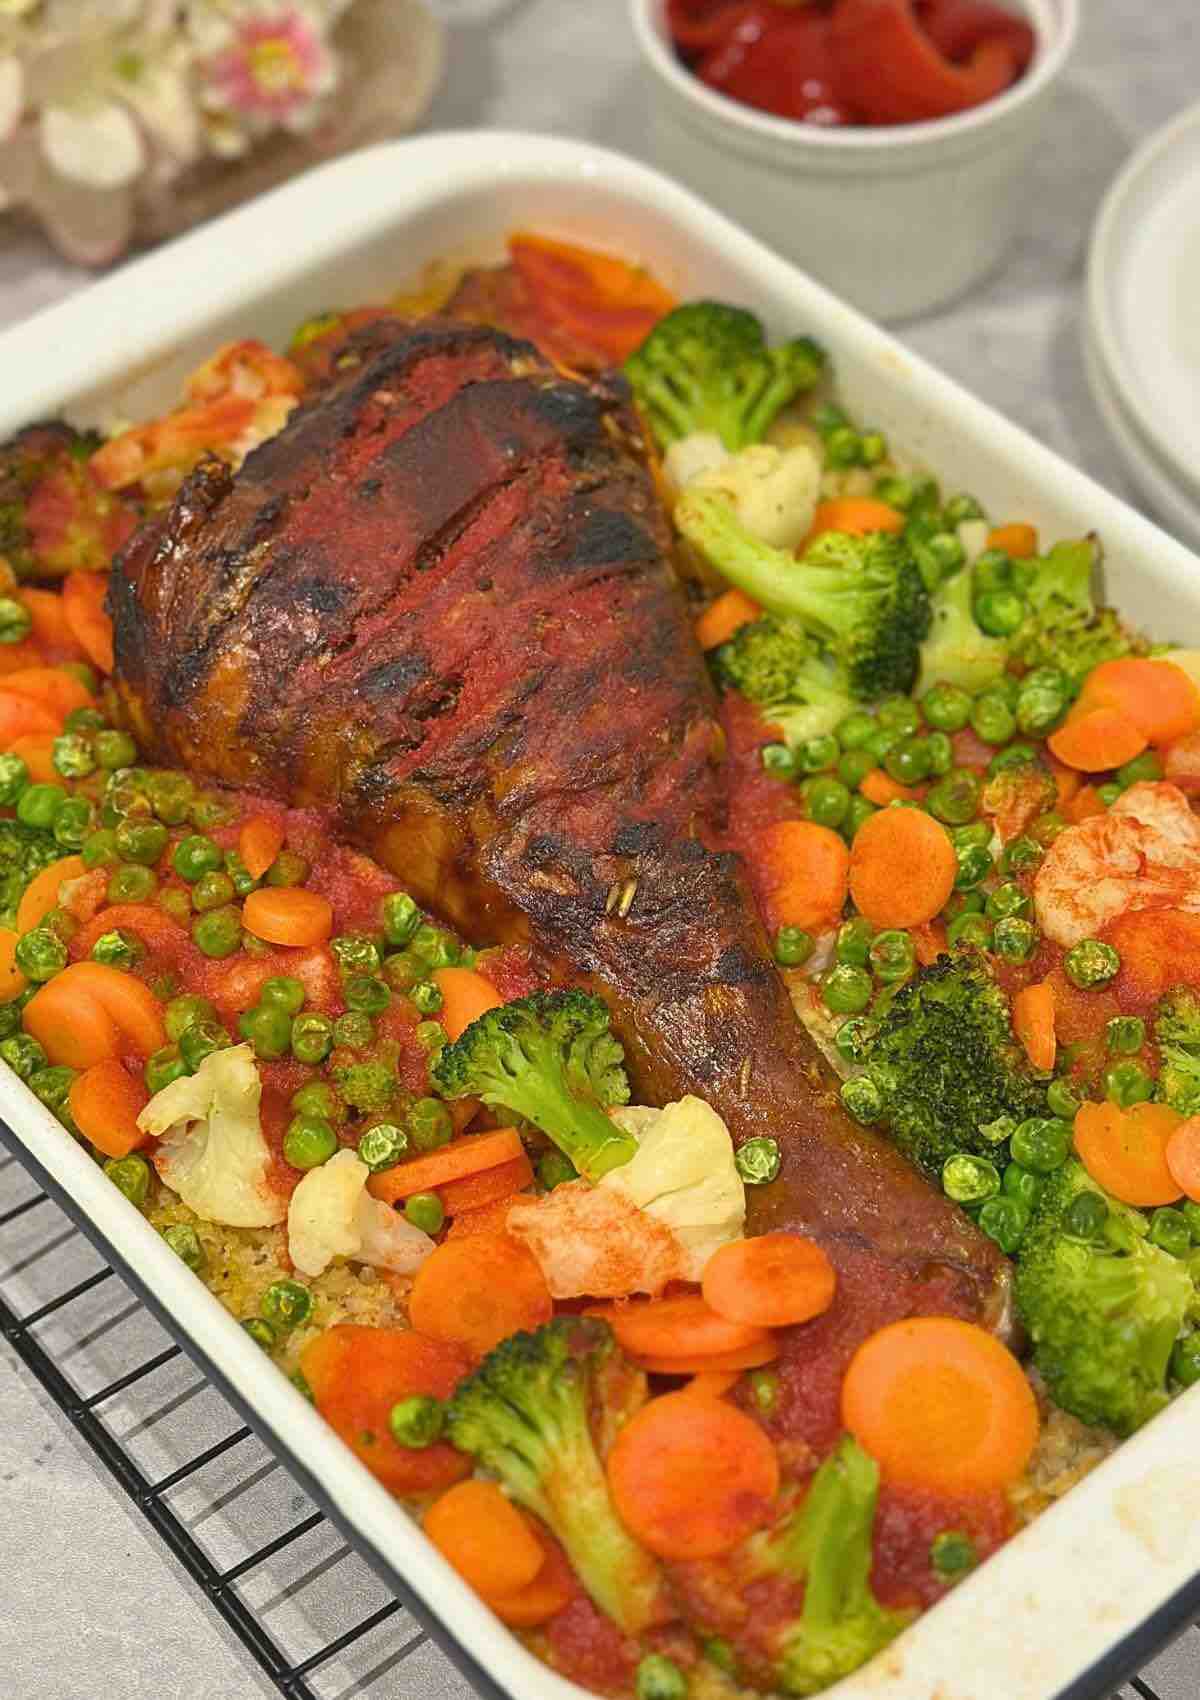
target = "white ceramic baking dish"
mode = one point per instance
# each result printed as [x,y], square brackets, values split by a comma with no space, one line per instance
[1096,1585]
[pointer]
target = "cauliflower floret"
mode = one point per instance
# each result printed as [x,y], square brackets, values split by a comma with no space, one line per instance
[775,491]
[683,1174]
[333,1215]
[688,457]
[213,1153]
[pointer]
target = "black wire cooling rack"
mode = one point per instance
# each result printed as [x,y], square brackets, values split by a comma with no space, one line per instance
[306,1607]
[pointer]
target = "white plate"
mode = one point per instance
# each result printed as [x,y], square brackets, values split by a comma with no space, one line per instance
[1090,1591]
[1143,295]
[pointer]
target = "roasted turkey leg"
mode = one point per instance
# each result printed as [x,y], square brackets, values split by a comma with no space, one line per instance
[439,607]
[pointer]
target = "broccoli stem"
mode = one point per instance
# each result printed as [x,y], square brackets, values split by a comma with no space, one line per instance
[709,521]
[581,1130]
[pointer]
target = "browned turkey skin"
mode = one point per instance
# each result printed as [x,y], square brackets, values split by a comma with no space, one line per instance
[439,606]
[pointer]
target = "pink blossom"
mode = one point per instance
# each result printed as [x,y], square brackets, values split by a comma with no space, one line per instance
[275,66]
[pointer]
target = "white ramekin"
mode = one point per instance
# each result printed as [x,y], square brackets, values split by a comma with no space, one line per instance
[897,219]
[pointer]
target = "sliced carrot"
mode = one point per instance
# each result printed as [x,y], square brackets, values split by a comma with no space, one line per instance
[12,981]
[1156,695]
[14,656]
[902,868]
[259,842]
[128,1000]
[854,514]
[466,996]
[929,941]
[881,789]
[804,867]
[41,894]
[732,610]
[477,1291]
[156,929]
[36,750]
[1083,805]
[71,1027]
[289,915]
[1019,541]
[468,1155]
[683,1325]
[696,1363]
[552,1588]
[106,1101]
[475,1192]
[1159,948]
[1125,1151]
[357,1374]
[58,692]
[1066,783]
[50,625]
[483,1535]
[1033,1023]
[1183,1157]
[770,1281]
[713,1383]
[20,715]
[941,1405]
[692,1476]
[83,597]
[1096,739]
[487,1219]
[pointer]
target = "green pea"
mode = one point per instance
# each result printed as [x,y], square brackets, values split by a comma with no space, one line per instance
[817,755]
[73,823]
[318,1098]
[72,756]
[430,1035]
[872,448]
[880,742]
[171,797]
[893,956]
[218,932]
[1046,828]
[764,1390]
[947,708]
[286,1304]
[854,941]
[1109,792]
[843,447]
[1147,766]
[195,855]
[117,949]
[40,954]
[38,805]
[778,760]
[369,993]
[184,1241]
[853,767]
[999,613]
[992,570]
[900,715]
[971,930]
[1127,1083]
[23,1055]
[939,754]
[1091,962]
[1007,899]
[908,761]
[269,1030]
[952,1553]
[1170,1233]
[287,869]
[425,1211]
[1041,1145]
[354,1030]
[141,841]
[1014,938]
[946,552]
[427,996]
[1185,1360]
[859,811]
[435,946]
[954,800]
[209,812]
[99,849]
[1125,1035]
[184,1012]
[115,750]
[1014,756]
[1004,1220]
[974,864]
[16,621]
[53,1087]
[199,1040]
[793,946]
[383,1146]
[553,1169]
[1191,1215]
[974,834]
[429,1124]
[417,1421]
[1022,1184]
[1062,1100]
[1041,706]
[847,989]
[961,508]
[853,732]
[14,777]
[212,891]
[897,492]
[717,1649]
[309,1141]
[854,1038]
[356,953]
[992,719]
[311,1037]
[657,1677]
[261,1332]
[131,1176]
[862,1098]
[244,881]
[1020,855]
[968,1179]
[283,992]
[402,970]
[130,882]
[758,1160]
[162,1067]
[401,917]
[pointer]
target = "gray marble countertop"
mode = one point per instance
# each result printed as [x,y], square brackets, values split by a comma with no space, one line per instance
[93,1603]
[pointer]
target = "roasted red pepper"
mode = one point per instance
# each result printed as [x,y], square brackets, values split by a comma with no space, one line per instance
[778,59]
[893,72]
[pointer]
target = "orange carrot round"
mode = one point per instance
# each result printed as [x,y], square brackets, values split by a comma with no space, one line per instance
[1183,1157]
[732,610]
[770,1281]
[1125,1151]
[470,1154]
[692,1476]
[1033,1023]
[289,915]
[477,1291]
[259,842]
[881,789]
[106,1101]
[50,627]
[485,1219]
[36,750]
[856,515]
[941,1405]
[358,1373]
[58,692]
[1156,695]
[128,1000]
[805,867]
[12,981]
[466,996]
[683,1325]
[83,597]
[712,1383]
[156,929]
[1019,541]
[483,1535]
[473,1192]
[764,1351]
[41,894]
[1096,739]
[72,1028]
[20,715]
[552,1588]
[902,868]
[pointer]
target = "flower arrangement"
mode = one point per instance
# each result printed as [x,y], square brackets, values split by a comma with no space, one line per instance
[129,120]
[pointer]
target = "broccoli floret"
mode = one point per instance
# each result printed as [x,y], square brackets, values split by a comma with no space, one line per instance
[775,663]
[1064,627]
[551,1058]
[528,1415]
[861,598]
[1177,1034]
[946,1064]
[957,652]
[706,367]
[24,852]
[826,1544]
[367,1086]
[1101,1304]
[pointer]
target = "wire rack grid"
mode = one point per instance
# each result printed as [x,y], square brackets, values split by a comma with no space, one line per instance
[306,1607]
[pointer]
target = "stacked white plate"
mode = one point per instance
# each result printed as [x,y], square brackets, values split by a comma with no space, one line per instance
[1142,326]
